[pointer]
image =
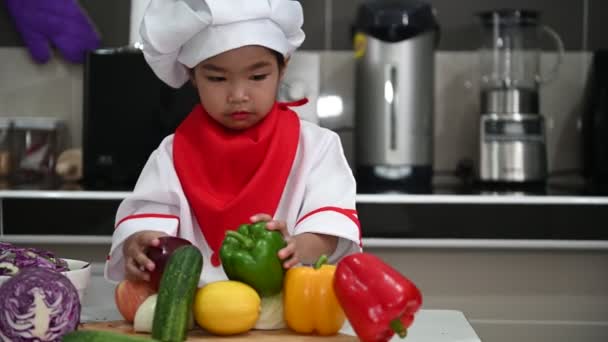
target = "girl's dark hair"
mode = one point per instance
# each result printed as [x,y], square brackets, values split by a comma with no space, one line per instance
[280,59]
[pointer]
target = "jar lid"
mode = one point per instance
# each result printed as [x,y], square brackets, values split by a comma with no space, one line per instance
[40,123]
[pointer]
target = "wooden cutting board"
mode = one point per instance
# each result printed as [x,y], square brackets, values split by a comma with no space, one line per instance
[199,335]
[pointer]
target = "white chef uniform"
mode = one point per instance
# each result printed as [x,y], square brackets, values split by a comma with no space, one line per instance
[319,192]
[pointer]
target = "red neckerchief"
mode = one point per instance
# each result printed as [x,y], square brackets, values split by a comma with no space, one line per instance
[227,175]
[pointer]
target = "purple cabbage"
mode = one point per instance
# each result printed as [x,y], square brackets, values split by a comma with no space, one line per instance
[13,259]
[36,305]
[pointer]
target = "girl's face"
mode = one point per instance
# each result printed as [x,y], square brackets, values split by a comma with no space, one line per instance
[238,87]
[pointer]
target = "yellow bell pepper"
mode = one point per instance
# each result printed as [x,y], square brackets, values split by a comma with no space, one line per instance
[310,304]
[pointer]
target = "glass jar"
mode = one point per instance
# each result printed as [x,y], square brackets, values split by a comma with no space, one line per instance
[36,144]
[6,133]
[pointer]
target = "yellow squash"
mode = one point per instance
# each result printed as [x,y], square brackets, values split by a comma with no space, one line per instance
[226,307]
[310,304]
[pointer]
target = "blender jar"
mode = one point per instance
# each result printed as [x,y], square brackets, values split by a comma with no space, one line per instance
[510,60]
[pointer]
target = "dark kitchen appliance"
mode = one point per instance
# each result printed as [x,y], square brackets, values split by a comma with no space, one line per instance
[127,112]
[595,126]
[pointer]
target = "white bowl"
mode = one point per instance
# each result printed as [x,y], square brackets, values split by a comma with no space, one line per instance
[79,274]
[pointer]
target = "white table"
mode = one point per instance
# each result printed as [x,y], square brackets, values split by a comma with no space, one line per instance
[428,326]
[435,326]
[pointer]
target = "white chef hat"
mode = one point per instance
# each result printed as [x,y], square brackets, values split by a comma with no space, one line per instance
[179,34]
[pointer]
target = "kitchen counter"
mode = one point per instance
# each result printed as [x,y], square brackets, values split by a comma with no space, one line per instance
[428,326]
[449,218]
[368,243]
[509,198]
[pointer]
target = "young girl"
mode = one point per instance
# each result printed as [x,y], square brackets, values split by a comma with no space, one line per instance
[239,156]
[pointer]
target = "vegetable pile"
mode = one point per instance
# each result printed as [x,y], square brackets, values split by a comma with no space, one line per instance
[312,287]
[249,255]
[160,255]
[166,313]
[377,300]
[13,259]
[38,304]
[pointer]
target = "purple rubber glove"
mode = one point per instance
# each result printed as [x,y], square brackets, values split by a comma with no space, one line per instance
[61,23]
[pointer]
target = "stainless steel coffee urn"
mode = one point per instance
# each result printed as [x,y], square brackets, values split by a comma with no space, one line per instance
[394,43]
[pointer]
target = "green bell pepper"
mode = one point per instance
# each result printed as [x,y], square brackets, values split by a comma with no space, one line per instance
[250,255]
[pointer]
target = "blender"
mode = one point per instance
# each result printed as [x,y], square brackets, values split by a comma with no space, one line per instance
[512,146]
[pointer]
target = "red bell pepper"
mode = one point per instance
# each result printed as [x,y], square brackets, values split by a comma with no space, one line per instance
[377,300]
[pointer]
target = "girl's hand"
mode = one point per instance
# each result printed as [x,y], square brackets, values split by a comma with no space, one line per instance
[288,253]
[137,264]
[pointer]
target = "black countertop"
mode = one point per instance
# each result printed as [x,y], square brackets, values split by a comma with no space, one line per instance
[425,219]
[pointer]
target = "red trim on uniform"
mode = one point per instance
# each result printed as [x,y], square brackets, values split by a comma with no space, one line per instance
[350,213]
[138,216]
[297,103]
[108,257]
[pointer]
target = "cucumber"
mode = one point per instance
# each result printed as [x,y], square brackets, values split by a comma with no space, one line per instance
[178,285]
[101,336]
